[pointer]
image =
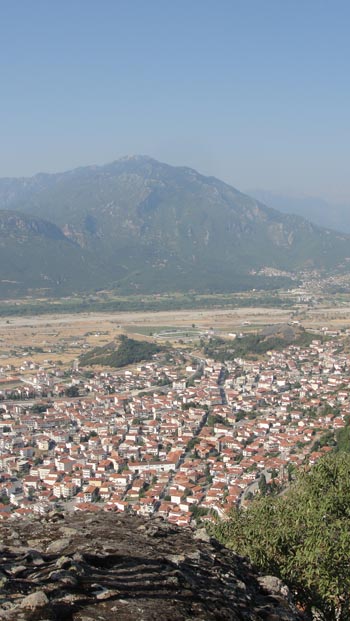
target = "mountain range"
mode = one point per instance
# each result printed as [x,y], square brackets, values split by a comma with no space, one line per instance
[137,225]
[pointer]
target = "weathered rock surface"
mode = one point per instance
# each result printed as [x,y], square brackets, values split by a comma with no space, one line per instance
[108,566]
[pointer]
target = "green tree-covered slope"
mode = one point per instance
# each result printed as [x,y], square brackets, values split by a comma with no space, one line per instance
[303,536]
[121,353]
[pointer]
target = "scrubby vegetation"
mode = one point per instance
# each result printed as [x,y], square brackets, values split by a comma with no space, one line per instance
[255,344]
[121,353]
[302,536]
[342,438]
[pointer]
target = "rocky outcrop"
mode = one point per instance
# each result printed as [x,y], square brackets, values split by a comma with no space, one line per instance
[83,567]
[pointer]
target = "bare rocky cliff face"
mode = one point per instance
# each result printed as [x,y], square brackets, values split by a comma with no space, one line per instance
[83,567]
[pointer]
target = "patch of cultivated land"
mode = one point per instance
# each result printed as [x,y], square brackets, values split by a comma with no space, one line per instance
[337,317]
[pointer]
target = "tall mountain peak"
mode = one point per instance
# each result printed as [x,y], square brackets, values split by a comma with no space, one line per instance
[144,226]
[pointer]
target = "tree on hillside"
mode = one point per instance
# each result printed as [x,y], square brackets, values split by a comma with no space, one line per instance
[262,485]
[302,536]
[72,391]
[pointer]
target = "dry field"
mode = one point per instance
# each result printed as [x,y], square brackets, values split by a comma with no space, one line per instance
[62,337]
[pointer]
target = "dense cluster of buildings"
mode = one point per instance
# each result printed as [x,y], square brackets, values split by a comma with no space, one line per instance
[182,437]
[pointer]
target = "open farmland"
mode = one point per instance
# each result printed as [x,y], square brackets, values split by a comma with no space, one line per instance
[63,337]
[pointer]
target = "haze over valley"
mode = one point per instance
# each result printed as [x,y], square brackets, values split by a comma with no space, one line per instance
[331,215]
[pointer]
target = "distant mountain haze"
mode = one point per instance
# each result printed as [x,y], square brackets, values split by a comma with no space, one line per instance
[316,209]
[138,225]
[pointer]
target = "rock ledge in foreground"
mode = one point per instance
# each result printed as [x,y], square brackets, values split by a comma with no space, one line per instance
[83,567]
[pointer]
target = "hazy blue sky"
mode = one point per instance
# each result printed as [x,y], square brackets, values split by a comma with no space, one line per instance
[256,92]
